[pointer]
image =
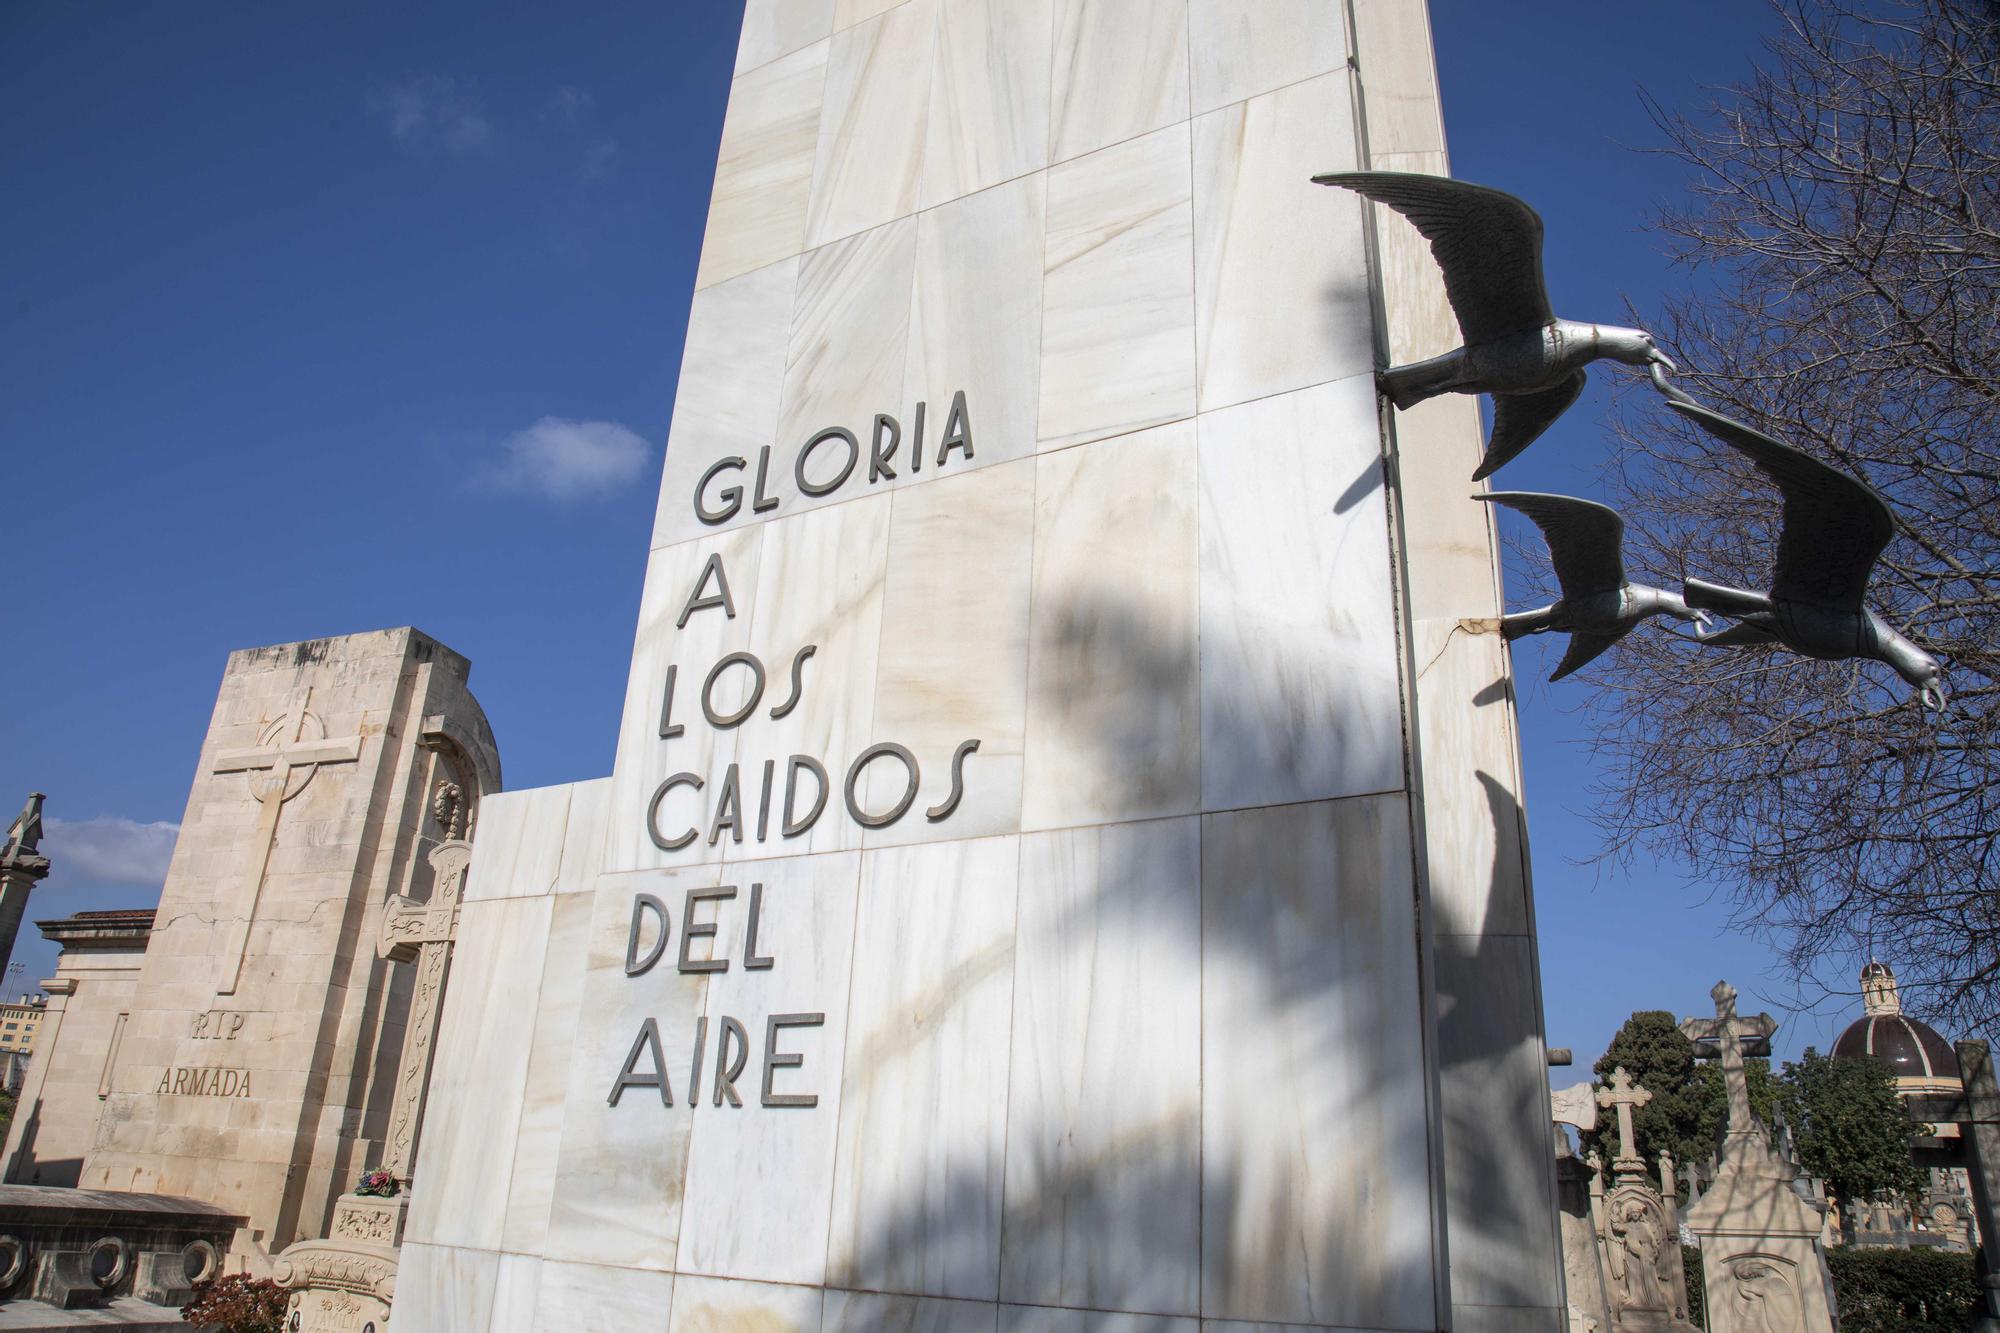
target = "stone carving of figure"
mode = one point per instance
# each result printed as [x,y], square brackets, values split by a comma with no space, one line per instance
[24,836]
[1765,1298]
[1638,1258]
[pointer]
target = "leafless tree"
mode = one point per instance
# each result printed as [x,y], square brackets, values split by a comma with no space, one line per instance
[1842,245]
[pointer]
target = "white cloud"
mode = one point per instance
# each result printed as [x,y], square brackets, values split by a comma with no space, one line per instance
[433,111]
[110,850]
[601,160]
[568,460]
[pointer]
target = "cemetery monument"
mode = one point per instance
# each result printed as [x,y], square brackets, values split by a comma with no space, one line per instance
[1064,856]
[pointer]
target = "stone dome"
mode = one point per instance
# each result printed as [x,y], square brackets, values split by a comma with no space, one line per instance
[1914,1052]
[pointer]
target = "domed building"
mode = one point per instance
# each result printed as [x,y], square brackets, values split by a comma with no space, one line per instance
[1923,1063]
[1921,1060]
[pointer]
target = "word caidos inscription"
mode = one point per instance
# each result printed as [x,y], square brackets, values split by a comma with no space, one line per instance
[645,1064]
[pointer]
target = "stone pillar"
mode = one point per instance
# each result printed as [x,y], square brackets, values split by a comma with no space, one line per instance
[1981,1130]
[258,1066]
[22,866]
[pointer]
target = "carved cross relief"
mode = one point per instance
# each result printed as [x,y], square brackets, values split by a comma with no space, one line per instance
[289,751]
[422,932]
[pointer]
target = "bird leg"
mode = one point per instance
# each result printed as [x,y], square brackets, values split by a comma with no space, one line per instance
[1526,622]
[1659,371]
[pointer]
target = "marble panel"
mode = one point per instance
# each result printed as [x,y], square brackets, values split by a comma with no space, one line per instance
[847,13]
[989,112]
[773,28]
[1392,44]
[1508,1319]
[870,155]
[1044,1319]
[1316,1206]
[846,362]
[473,1106]
[870,1312]
[519,844]
[538,1140]
[619,1175]
[1118,293]
[759,1183]
[1104,1104]
[1472,809]
[976,323]
[918,1174]
[1121,70]
[820,583]
[645,759]
[764,172]
[595,1296]
[1301,682]
[441,1286]
[721,1305]
[1282,297]
[726,403]
[514,1293]
[953,664]
[1499,1168]
[1114,716]
[584,835]
[1240,48]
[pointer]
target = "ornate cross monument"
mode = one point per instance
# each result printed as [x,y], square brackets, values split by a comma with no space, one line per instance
[1762,1264]
[22,866]
[1637,1232]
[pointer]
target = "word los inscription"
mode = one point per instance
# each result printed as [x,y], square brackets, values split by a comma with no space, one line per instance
[732,689]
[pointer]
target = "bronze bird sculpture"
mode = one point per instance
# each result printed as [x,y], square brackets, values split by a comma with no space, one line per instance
[1835,527]
[1599,605]
[1489,245]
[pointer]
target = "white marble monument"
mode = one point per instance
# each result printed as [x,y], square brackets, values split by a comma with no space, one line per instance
[1064,858]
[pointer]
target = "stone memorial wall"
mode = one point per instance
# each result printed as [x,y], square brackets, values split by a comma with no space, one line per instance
[1063,858]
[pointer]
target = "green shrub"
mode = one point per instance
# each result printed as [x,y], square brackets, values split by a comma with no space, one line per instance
[1697,1294]
[237,1303]
[1903,1291]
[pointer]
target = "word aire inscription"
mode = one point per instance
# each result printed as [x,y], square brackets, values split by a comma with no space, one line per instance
[735,686]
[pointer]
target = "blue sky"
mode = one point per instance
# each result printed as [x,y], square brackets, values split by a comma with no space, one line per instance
[319,320]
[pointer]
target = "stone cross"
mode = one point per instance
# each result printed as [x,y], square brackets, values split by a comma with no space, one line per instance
[291,760]
[1623,1095]
[423,932]
[1730,1039]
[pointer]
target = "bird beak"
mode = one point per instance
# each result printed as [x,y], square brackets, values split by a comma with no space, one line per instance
[1660,358]
[1933,696]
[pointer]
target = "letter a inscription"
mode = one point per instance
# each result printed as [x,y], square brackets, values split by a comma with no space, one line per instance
[702,601]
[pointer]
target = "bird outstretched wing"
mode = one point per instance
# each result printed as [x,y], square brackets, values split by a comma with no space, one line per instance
[1586,539]
[1520,418]
[1488,243]
[1583,650]
[1835,525]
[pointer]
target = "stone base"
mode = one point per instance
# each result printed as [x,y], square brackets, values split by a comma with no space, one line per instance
[127,1314]
[63,1279]
[345,1283]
